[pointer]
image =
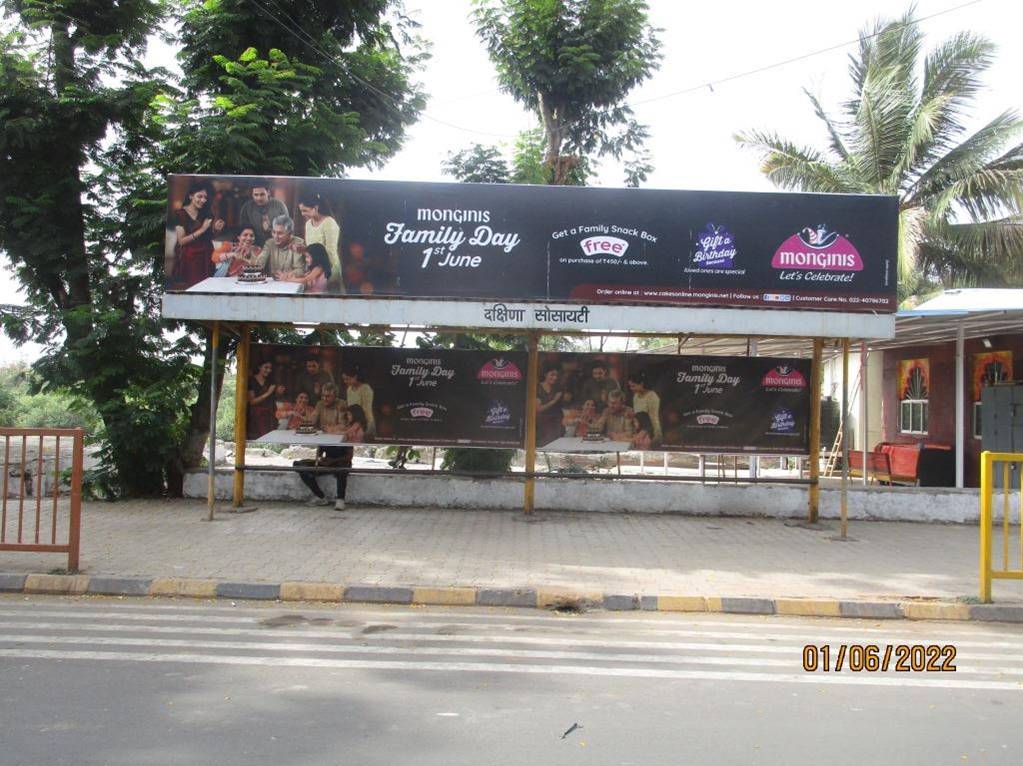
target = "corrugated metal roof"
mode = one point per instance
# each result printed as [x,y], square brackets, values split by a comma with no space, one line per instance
[981,312]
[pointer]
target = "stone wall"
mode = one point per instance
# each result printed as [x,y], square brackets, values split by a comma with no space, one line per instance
[691,498]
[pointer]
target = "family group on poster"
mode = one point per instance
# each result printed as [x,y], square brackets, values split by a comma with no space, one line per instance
[231,228]
[595,406]
[310,399]
[584,401]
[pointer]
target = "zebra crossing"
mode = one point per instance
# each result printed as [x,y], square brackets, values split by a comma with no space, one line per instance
[661,647]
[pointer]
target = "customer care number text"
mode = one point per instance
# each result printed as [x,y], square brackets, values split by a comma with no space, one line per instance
[871,658]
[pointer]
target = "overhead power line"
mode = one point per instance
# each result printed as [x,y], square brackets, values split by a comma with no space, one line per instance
[785,62]
[302,36]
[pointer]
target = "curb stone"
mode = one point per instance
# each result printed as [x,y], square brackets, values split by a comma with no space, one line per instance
[118,586]
[254,590]
[535,598]
[378,594]
[12,583]
[525,597]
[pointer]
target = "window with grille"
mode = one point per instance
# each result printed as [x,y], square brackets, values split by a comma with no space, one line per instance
[913,404]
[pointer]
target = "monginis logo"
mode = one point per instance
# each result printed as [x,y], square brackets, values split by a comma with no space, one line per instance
[604,245]
[499,370]
[818,249]
[783,376]
[708,420]
[421,412]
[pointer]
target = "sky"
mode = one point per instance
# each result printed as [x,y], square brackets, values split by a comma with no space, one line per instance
[691,141]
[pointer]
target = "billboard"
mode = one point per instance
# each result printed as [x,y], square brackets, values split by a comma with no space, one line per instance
[674,403]
[362,395]
[503,242]
[586,402]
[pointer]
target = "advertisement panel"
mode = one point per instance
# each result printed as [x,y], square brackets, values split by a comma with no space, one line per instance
[586,402]
[503,242]
[673,403]
[362,395]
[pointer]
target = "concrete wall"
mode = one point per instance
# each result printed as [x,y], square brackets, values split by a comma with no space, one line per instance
[774,501]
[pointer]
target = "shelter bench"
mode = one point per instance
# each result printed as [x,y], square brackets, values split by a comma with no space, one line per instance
[878,467]
[919,464]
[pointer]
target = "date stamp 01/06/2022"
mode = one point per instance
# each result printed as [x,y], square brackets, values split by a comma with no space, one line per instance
[872,658]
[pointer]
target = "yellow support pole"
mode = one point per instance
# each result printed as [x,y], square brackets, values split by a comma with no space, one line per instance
[240,410]
[845,438]
[813,501]
[1005,515]
[211,488]
[985,527]
[532,381]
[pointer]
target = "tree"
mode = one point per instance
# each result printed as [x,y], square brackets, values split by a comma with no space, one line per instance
[902,132]
[87,136]
[71,86]
[573,62]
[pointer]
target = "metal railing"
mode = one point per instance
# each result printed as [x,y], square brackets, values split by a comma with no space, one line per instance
[999,474]
[36,492]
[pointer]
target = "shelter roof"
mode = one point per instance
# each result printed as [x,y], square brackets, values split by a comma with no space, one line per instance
[980,311]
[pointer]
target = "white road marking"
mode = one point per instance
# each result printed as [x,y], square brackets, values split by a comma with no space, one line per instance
[396,636]
[809,636]
[471,667]
[473,614]
[499,653]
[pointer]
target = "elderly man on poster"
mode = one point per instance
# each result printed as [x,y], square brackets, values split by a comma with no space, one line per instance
[284,254]
[618,421]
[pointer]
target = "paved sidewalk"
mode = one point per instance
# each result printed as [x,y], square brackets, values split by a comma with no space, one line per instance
[612,553]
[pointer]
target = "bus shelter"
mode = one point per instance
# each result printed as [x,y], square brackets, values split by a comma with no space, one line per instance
[245,252]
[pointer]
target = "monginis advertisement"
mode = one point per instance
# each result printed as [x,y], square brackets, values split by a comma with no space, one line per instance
[673,403]
[354,395]
[331,237]
[585,402]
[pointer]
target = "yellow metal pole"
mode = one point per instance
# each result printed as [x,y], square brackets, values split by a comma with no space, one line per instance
[532,381]
[211,489]
[985,527]
[813,502]
[845,437]
[1005,515]
[240,410]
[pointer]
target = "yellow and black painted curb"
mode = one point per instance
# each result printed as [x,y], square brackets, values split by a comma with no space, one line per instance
[538,598]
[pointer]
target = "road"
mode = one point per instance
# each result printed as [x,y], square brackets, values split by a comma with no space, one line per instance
[123,681]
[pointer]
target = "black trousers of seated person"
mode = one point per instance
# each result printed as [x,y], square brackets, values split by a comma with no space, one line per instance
[329,457]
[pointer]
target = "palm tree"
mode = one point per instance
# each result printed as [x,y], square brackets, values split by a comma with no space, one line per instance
[902,133]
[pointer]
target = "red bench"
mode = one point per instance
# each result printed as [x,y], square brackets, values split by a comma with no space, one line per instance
[901,464]
[878,467]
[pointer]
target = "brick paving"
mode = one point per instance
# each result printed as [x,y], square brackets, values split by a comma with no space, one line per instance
[608,552]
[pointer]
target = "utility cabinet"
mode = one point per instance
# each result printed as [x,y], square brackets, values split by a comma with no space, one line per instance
[1001,424]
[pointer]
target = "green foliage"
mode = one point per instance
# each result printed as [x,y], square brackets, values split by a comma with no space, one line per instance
[477,460]
[400,454]
[225,410]
[332,83]
[23,405]
[486,164]
[478,165]
[902,132]
[527,165]
[87,137]
[573,62]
